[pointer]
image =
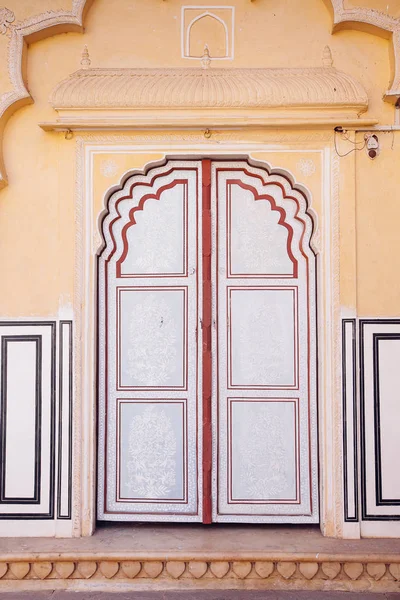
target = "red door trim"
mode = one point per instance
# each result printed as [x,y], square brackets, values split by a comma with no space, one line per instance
[206,337]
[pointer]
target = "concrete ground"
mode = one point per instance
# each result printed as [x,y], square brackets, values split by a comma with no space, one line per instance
[199,595]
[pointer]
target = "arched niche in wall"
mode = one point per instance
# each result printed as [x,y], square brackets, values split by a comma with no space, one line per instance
[207,29]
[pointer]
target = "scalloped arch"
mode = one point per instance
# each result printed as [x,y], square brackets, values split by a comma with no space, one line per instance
[375,22]
[22,34]
[257,169]
[53,22]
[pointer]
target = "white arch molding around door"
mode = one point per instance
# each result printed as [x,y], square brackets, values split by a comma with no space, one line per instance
[207,347]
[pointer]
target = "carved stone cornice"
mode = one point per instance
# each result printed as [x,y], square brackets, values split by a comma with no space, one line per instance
[213,88]
[123,98]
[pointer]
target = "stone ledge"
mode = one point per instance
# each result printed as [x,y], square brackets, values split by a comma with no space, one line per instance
[279,571]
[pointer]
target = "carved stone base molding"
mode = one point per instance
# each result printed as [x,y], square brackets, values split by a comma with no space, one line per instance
[280,571]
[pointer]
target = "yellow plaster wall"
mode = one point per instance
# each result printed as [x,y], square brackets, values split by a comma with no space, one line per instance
[30,222]
[37,209]
[347,224]
[132,34]
[378,240]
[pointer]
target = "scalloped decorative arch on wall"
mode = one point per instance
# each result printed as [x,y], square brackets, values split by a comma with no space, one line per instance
[51,23]
[377,23]
[21,35]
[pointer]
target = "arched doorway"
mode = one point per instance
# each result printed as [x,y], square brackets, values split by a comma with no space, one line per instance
[207,348]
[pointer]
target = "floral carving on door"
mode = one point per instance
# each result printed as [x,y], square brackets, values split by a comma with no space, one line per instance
[152,452]
[152,358]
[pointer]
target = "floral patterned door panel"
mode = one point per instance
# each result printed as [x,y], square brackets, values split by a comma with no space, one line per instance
[207,364]
[149,385]
[264,361]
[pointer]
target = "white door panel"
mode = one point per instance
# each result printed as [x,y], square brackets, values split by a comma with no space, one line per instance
[149,361]
[264,404]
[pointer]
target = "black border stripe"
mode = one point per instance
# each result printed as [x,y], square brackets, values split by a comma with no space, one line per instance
[5,341]
[364,472]
[49,514]
[60,474]
[346,483]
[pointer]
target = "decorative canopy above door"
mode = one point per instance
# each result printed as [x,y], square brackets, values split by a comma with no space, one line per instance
[129,98]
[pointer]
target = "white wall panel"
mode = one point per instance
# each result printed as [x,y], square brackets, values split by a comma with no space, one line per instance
[387,355]
[21,417]
[27,420]
[380,411]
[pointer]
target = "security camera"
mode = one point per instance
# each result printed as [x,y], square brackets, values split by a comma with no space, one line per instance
[372,145]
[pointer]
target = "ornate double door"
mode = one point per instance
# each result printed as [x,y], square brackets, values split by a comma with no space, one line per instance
[207,348]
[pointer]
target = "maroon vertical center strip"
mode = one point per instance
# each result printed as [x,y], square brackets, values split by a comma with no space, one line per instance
[206,338]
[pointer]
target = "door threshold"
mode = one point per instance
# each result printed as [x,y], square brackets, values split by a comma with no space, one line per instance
[167,557]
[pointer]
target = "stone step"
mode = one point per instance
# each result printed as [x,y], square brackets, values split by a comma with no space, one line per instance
[138,558]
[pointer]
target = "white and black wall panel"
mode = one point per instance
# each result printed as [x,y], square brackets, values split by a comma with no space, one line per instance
[379,345]
[371,416]
[350,424]
[36,404]
[65,412]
